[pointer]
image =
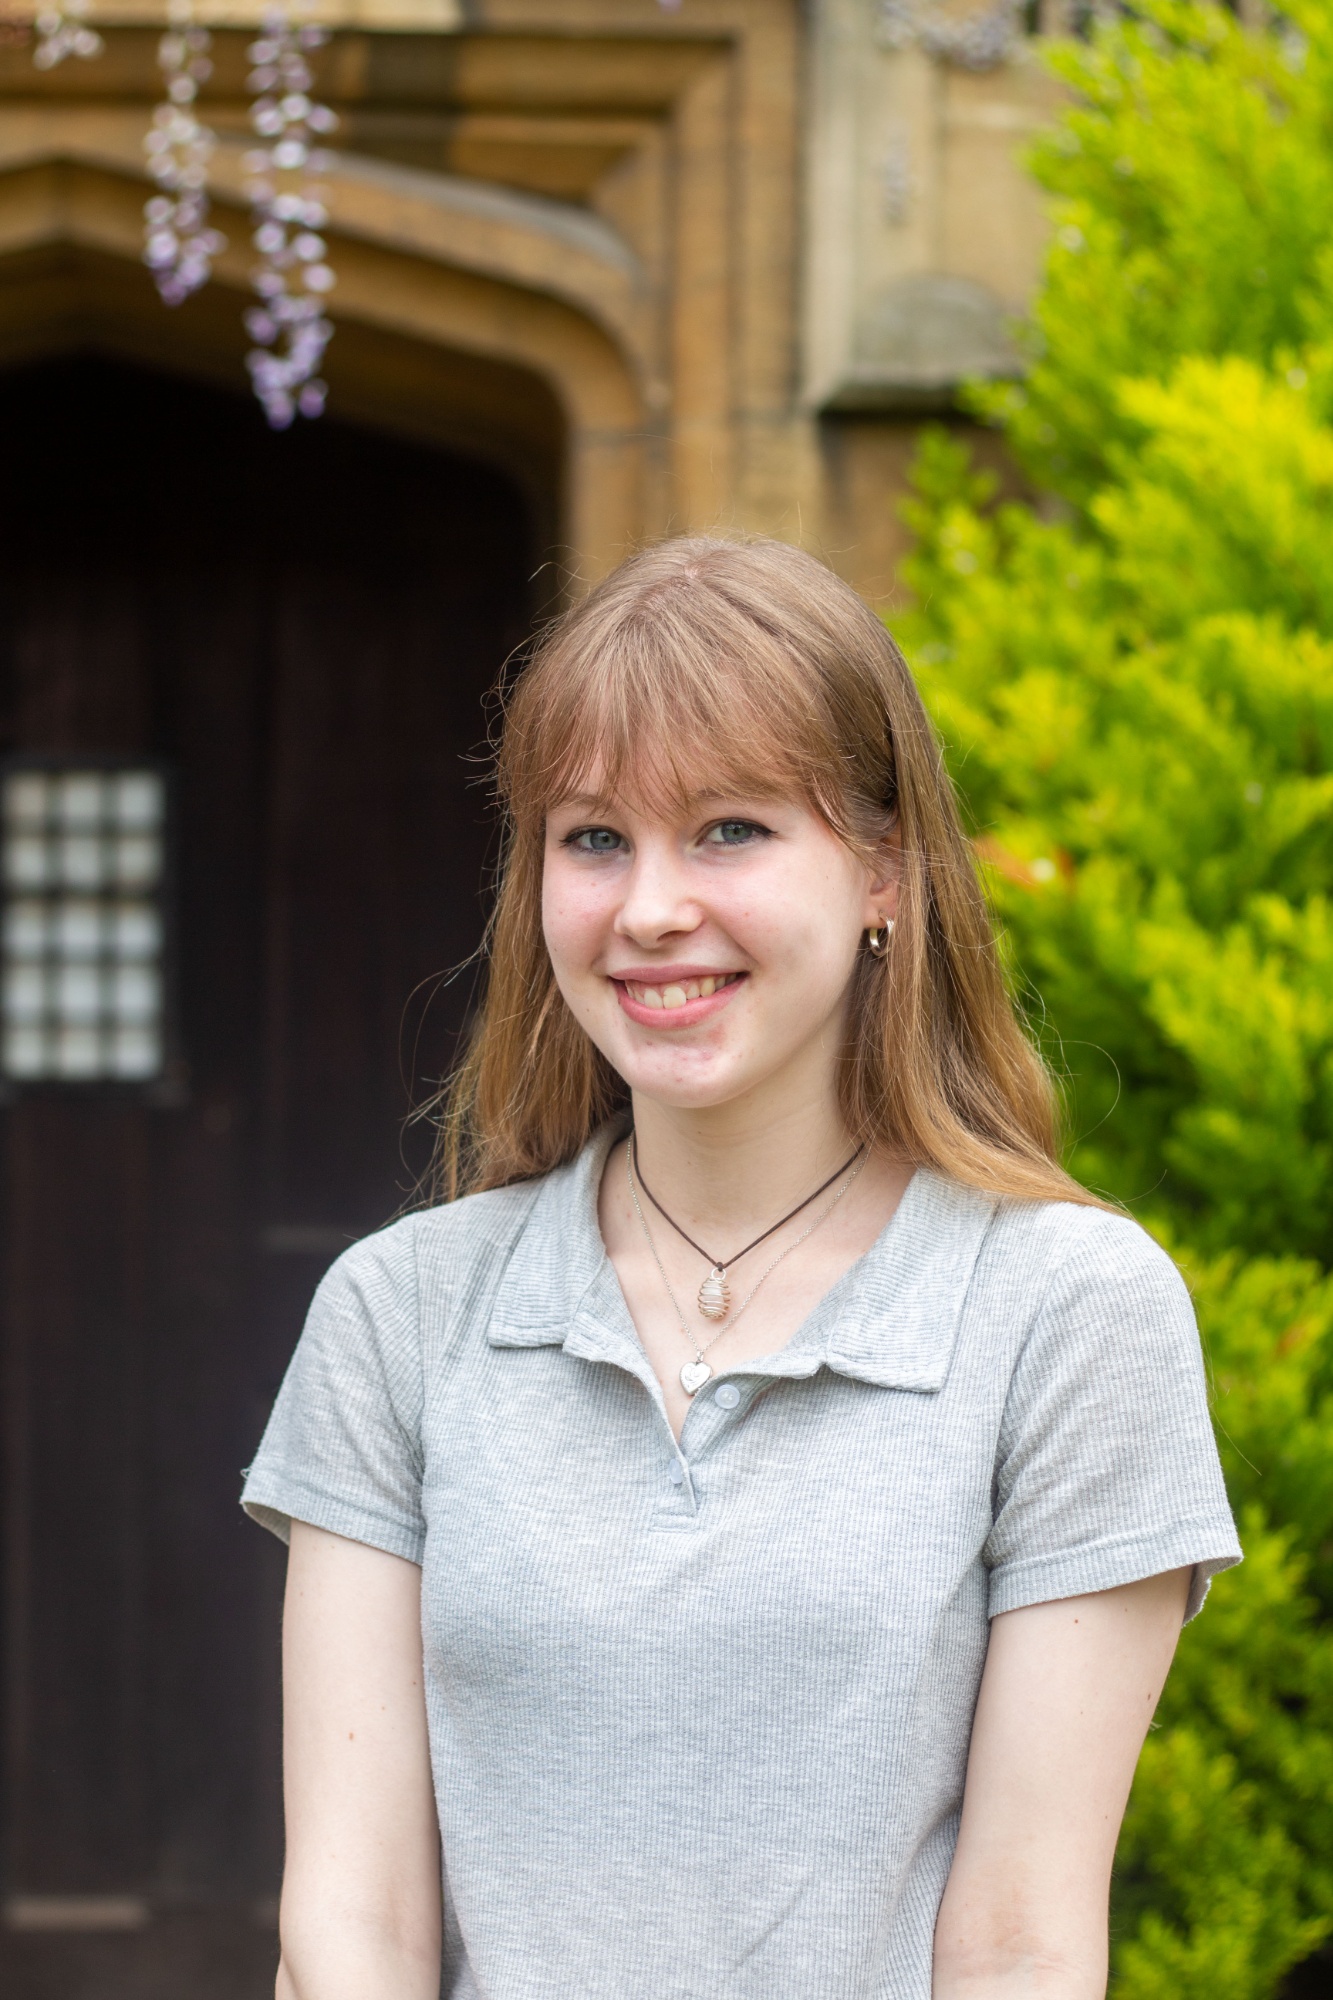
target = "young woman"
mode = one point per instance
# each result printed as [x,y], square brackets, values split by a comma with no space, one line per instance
[739,1538]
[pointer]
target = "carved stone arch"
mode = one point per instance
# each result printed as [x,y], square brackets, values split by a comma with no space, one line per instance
[503,324]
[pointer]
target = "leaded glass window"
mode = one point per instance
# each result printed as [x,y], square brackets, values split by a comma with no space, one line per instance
[82,972]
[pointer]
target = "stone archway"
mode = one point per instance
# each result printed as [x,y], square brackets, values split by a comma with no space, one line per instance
[62,298]
[600,193]
[470,315]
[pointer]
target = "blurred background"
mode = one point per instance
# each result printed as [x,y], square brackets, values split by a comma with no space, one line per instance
[339,346]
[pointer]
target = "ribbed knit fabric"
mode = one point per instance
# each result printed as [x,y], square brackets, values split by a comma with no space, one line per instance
[699,1716]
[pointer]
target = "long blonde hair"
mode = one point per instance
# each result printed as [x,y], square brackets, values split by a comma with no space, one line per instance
[749,667]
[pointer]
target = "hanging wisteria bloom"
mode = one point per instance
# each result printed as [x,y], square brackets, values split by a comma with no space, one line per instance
[179,245]
[290,327]
[63,31]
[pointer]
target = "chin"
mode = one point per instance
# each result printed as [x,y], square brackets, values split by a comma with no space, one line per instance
[680,1073]
[686,1100]
[677,1092]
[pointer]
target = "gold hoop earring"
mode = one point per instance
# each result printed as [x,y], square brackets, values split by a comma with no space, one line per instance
[878,940]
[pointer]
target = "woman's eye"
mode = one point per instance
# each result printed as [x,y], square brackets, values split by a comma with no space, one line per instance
[735,833]
[594,840]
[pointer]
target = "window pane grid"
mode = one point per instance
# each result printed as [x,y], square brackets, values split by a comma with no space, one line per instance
[81,985]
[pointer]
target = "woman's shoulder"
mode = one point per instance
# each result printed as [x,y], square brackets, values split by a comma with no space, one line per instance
[1078,1233]
[1059,1230]
[428,1281]
[1073,1263]
[475,1230]
[1039,1235]
[1029,1258]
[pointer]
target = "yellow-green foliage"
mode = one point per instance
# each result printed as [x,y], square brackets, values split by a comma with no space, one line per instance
[1192,183]
[1225,1871]
[1135,684]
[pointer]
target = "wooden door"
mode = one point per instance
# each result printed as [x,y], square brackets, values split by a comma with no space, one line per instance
[297,631]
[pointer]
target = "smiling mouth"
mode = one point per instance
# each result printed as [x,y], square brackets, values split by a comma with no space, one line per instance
[679,992]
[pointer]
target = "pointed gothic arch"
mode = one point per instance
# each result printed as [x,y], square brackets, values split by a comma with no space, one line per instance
[506,324]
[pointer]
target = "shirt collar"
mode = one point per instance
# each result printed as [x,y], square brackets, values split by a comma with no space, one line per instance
[891,1320]
[559,1254]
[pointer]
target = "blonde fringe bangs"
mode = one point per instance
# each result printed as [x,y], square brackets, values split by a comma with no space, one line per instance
[705,666]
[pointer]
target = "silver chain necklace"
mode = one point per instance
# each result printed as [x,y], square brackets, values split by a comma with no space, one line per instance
[695,1373]
[714,1295]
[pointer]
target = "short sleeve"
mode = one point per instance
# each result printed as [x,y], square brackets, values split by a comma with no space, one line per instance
[1107,1471]
[342,1449]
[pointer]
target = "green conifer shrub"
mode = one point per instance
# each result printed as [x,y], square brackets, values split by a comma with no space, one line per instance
[1135,685]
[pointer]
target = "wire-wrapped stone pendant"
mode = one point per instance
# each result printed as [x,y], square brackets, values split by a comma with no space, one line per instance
[714,1300]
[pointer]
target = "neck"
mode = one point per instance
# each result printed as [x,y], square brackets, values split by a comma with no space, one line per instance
[732,1168]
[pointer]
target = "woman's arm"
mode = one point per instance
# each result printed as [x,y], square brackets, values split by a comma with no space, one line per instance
[361,1889]
[1066,1698]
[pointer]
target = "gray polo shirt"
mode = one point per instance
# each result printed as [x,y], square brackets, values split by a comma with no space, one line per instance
[699,1716]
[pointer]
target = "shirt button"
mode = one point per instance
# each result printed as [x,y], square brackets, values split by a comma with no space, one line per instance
[727,1396]
[676,1472]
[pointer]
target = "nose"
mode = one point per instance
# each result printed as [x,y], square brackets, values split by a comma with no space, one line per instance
[657,902]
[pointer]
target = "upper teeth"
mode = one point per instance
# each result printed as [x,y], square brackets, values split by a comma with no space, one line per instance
[676,995]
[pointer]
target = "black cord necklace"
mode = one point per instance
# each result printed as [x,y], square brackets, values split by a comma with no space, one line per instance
[714,1295]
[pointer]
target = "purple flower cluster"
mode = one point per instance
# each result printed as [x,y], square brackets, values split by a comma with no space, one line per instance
[290,326]
[179,245]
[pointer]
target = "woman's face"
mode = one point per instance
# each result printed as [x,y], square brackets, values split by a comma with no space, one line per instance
[707,951]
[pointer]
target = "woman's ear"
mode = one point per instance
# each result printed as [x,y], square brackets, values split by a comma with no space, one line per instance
[882,890]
